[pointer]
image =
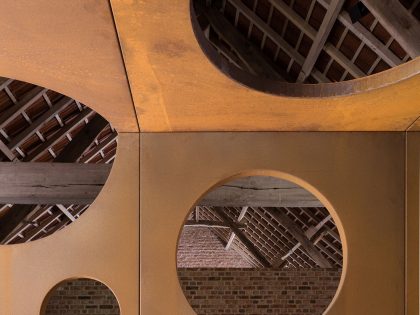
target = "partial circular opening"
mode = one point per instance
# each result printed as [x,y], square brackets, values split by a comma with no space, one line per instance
[80,296]
[259,245]
[55,156]
[307,48]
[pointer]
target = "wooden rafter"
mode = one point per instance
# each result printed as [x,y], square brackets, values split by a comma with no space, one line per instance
[247,52]
[242,237]
[83,140]
[300,236]
[320,38]
[399,22]
[277,38]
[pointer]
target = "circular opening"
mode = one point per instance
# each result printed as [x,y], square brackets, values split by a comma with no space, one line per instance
[80,296]
[259,245]
[304,48]
[55,156]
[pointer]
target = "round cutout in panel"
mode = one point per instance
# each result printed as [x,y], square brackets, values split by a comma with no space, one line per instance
[80,296]
[55,156]
[259,245]
[305,48]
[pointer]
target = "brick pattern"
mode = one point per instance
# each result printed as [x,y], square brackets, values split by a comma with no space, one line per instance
[259,291]
[82,296]
[200,248]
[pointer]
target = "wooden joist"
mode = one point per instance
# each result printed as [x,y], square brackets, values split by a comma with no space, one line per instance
[82,141]
[247,52]
[260,191]
[242,237]
[300,236]
[399,22]
[212,224]
[51,183]
[277,38]
[320,38]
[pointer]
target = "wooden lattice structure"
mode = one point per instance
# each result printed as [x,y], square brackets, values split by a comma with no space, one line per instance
[312,41]
[298,237]
[40,125]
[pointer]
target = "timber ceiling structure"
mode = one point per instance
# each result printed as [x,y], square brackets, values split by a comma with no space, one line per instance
[290,228]
[76,145]
[311,41]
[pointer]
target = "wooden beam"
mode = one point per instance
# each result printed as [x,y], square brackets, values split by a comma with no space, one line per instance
[39,150]
[366,37]
[51,183]
[232,235]
[300,236]
[242,237]
[277,38]
[103,145]
[260,191]
[37,124]
[27,100]
[82,141]
[311,233]
[320,38]
[212,224]
[399,22]
[247,52]
[334,53]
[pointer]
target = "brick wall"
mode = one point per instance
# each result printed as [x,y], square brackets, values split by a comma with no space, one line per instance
[259,291]
[199,247]
[82,296]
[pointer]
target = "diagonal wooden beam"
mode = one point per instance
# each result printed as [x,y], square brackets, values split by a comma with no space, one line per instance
[37,124]
[242,237]
[312,233]
[367,37]
[82,141]
[27,100]
[39,150]
[297,20]
[300,236]
[232,235]
[247,52]
[320,38]
[277,38]
[399,22]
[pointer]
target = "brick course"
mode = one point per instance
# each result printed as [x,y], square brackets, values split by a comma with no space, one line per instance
[259,291]
[82,296]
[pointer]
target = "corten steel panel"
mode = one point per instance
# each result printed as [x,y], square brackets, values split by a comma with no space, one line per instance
[176,88]
[102,244]
[358,176]
[412,221]
[70,47]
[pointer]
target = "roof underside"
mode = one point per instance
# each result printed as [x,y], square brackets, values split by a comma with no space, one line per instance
[308,41]
[266,240]
[39,125]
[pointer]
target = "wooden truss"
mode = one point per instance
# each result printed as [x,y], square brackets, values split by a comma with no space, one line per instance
[312,41]
[40,125]
[275,237]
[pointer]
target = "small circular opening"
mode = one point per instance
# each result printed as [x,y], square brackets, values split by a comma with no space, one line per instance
[259,245]
[80,296]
